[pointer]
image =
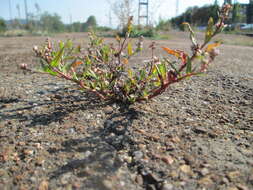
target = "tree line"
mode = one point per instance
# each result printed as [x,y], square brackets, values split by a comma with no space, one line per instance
[51,23]
[198,16]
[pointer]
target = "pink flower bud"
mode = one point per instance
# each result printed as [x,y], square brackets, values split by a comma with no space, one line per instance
[23,66]
[35,48]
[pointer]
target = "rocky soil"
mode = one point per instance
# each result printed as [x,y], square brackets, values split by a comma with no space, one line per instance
[198,135]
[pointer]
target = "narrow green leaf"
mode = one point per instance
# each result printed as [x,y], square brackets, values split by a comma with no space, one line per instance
[162,70]
[209,29]
[172,65]
[69,44]
[142,74]
[75,76]
[55,62]
[189,66]
[145,94]
[129,49]
[47,69]
[92,74]
[192,35]
[61,44]
[130,73]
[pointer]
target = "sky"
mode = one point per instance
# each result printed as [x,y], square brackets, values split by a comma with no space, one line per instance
[80,10]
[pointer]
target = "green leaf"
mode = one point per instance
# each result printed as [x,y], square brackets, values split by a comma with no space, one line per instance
[69,44]
[92,74]
[47,69]
[145,94]
[55,62]
[129,49]
[61,44]
[105,53]
[162,70]
[75,76]
[209,29]
[142,74]
[154,71]
[130,73]
[127,87]
[172,65]
[189,66]
[192,35]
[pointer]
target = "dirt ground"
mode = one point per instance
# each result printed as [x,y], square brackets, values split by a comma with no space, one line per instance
[196,136]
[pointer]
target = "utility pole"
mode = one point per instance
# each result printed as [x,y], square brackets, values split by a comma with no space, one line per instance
[18,9]
[10,11]
[143,4]
[177,7]
[110,19]
[26,11]
[71,23]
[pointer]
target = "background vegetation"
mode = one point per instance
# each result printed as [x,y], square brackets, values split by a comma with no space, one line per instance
[46,23]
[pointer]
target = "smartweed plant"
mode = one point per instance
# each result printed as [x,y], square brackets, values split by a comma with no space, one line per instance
[103,68]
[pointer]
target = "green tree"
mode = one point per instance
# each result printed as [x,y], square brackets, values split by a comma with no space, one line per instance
[90,23]
[197,16]
[51,23]
[250,12]
[236,15]
[2,25]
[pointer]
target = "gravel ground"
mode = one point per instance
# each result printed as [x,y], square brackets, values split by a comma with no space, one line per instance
[198,135]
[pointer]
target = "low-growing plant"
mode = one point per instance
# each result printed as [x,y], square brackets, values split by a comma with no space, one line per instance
[104,70]
[137,31]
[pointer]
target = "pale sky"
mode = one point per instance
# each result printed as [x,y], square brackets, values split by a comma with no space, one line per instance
[80,10]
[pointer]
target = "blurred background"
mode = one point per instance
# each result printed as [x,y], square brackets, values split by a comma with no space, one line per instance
[42,17]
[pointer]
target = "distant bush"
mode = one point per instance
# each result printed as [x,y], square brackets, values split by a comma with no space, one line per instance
[139,31]
[163,25]
[10,33]
[2,25]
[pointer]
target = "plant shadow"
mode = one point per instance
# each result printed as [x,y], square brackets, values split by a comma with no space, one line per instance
[99,159]
[52,111]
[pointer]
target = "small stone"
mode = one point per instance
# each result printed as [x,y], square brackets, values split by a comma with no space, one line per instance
[3,173]
[58,97]
[33,179]
[108,184]
[139,180]
[71,130]
[167,159]
[204,171]
[233,175]
[206,181]
[175,139]
[43,185]
[167,186]
[108,110]
[109,124]
[189,159]
[28,152]
[40,161]
[38,146]
[87,154]
[242,187]
[21,143]
[232,188]
[127,159]
[65,178]
[138,155]
[151,187]
[200,130]
[225,180]
[186,169]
